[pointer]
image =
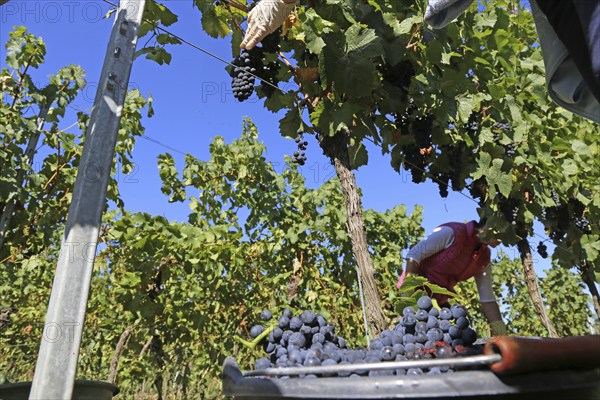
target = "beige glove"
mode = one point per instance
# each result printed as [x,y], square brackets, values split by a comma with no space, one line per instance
[498,328]
[265,18]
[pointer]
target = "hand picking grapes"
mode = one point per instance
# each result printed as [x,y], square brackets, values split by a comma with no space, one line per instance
[455,252]
[265,18]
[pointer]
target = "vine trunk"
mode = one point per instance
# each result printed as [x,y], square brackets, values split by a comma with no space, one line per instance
[532,286]
[336,148]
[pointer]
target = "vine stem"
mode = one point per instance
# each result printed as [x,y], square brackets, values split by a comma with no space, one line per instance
[114,362]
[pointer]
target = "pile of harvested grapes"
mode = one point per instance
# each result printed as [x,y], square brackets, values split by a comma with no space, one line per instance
[308,340]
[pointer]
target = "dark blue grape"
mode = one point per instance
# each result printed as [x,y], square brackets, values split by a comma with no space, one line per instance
[309,318]
[316,346]
[269,347]
[409,338]
[458,311]
[414,371]
[469,336]
[410,348]
[386,341]
[378,354]
[263,363]
[408,310]
[335,355]
[398,348]
[388,353]
[283,322]
[256,330]
[422,315]
[435,334]
[280,351]
[421,326]
[295,323]
[409,322]
[455,332]
[297,339]
[462,322]
[295,356]
[344,373]
[432,322]
[266,315]
[443,352]
[421,337]
[445,313]
[306,330]
[444,325]
[321,320]
[424,303]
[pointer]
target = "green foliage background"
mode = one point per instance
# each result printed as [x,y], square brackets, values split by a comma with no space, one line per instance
[184,290]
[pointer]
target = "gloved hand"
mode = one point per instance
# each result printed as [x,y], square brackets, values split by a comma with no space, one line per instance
[265,18]
[498,328]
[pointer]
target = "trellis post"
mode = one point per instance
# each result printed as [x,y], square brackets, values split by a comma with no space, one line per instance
[61,338]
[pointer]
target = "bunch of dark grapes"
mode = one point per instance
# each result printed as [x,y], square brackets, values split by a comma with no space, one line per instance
[578,211]
[308,340]
[510,149]
[243,72]
[399,75]
[421,130]
[542,250]
[558,218]
[442,182]
[497,130]
[477,188]
[473,125]
[268,73]
[270,44]
[555,198]
[415,162]
[300,155]
[456,159]
[583,224]
[510,209]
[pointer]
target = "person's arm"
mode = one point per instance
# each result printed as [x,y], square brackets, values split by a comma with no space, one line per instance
[441,238]
[489,303]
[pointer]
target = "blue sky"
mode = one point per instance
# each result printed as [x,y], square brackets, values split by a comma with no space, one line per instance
[193,103]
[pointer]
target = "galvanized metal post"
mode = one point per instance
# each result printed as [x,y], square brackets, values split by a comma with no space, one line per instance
[61,339]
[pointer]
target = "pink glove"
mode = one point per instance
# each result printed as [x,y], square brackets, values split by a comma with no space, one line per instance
[402,276]
[265,18]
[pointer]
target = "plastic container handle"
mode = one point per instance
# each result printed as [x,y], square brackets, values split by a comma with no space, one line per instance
[521,354]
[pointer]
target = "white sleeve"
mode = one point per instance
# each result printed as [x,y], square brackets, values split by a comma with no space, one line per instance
[441,238]
[484,285]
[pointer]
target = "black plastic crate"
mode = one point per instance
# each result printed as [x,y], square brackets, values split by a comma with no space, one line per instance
[472,385]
